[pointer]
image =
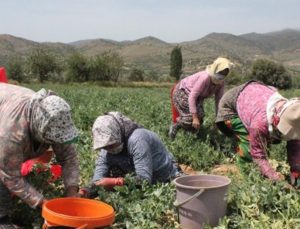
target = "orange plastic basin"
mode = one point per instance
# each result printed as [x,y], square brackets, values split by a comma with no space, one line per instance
[77,212]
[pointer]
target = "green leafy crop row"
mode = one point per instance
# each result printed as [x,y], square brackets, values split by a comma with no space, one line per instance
[253,201]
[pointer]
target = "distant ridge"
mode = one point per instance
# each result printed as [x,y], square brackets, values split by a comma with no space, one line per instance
[151,53]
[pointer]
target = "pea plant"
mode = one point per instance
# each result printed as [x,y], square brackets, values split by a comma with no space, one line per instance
[253,201]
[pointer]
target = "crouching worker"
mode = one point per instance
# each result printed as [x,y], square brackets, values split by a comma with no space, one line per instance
[31,122]
[256,115]
[187,98]
[126,147]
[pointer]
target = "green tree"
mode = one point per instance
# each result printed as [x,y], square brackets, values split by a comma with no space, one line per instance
[136,75]
[15,69]
[113,65]
[42,63]
[271,73]
[98,69]
[78,68]
[176,63]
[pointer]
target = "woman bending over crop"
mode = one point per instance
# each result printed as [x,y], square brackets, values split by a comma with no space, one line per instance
[31,122]
[257,115]
[188,95]
[126,147]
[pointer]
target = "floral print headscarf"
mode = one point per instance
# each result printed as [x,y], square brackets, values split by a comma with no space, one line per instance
[111,128]
[50,119]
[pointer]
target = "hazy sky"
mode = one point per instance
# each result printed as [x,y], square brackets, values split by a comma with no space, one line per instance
[168,20]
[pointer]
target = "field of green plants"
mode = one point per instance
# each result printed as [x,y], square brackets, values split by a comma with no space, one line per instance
[253,202]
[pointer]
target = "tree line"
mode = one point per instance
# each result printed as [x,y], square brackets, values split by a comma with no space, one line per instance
[43,65]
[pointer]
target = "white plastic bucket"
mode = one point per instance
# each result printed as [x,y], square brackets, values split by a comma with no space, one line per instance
[201,199]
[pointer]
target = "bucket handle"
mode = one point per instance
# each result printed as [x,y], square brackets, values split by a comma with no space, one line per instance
[179,204]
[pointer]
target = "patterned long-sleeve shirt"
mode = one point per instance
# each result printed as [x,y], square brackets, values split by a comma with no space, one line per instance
[17,145]
[146,156]
[199,86]
[251,108]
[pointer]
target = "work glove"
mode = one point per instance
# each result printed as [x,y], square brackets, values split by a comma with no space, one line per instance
[84,192]
[109,183]
[72,191]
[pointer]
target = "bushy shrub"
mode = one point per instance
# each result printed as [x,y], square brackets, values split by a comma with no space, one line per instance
[16,69]
[271,73]
[41,63]
[78,68]
[136,74]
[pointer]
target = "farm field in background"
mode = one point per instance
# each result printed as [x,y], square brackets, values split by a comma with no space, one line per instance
[253,202]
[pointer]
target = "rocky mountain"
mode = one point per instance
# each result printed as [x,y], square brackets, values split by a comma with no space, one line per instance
[151,53]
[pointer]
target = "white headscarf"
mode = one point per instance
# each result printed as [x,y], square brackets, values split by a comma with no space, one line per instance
[217,66]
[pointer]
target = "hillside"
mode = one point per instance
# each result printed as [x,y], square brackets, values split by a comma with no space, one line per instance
[284,45]
[13,46]
[10,45]
[281,40]
[151,53]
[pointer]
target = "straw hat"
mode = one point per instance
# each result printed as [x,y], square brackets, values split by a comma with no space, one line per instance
[289,124]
